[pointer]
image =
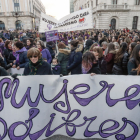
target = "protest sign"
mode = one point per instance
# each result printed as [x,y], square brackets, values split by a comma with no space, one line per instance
[14,70]
[52,36]
[78,20]
[38,107]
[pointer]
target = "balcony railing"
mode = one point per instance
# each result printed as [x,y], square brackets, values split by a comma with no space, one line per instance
[111,7]
[21,14]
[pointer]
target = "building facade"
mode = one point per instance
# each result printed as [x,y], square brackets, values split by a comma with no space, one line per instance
[71,6]
[20,14]
[112,14]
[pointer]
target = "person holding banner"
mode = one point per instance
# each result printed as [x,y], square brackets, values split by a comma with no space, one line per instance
[30,43]
[36,65]
[45,52]
[75,60]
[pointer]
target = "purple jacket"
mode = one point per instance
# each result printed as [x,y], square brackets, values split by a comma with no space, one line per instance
[2,48]
[46,55]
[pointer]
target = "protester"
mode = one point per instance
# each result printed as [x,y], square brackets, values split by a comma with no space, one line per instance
[44,51]
[30,44]
[75,60]
[21,56]
[88,45]
[81,44]
[131,48]
[7,50]
[110,58]
[121,60]
[89,64]
[3,72]
[56,68]
[63,57]
[134,61]
[98,52]
[51,47]
[36,65]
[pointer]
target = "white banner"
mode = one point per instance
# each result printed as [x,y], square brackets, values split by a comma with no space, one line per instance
[38,107]
[14,70]
[78,20]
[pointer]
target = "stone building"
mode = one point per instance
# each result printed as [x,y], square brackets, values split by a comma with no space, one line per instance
[114,14]
[20,14]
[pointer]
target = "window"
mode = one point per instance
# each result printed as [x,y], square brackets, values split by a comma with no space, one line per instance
[96,2]
[88,5]
[137,2]
[92,3]
[16,5]
[135,22]
[114,1]
[85,6]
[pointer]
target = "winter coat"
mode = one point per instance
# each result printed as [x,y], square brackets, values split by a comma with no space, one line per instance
[132,65]
[56,70]
[7,36]
[23,60]
[80,47]
[46,55]
[110,61]
[2,48]
[11,57]
[75,62]
[120,68]
[3,72]
[44,69]
[6,54]
[102,65]
[50,48]
[1,35]
[63,58]
[3,64]
[95,69]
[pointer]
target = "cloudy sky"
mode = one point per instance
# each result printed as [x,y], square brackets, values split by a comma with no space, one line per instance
[57,8]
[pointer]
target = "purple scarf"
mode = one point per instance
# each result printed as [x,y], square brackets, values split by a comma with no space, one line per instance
[18,53]
[86,70]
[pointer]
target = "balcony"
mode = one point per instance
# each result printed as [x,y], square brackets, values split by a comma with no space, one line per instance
[104,7]
[22,14]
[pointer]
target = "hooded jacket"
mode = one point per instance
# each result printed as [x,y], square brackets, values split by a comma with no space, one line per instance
[63,58]
[75,62]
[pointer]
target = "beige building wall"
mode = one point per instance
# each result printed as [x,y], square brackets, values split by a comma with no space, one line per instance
[30,10]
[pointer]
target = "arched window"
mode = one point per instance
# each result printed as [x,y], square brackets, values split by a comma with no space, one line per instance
[2,25]
[114,1]
[135,22]
[113,23]
[137,2]
[18,25]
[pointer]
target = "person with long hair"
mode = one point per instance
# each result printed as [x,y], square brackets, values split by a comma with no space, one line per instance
[63,57]
[121,60]
[75,60]
[131,48]
[30,43]
[110,58]
[45,52]
[36,65]
[89,64]
[134,62]
[98,52]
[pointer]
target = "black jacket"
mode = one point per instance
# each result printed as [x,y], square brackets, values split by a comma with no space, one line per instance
[102,65]
[120,68]
[23,60]
[11,57]
[95,69]
[56,70]
[50,48]
[132,65]
[44,69]
[3,72]
[75,62]
[2,64]
[6,54]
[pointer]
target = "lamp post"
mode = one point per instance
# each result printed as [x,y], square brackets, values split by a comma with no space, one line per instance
[17,14]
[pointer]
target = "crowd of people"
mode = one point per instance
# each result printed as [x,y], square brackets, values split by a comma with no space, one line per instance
[106,52]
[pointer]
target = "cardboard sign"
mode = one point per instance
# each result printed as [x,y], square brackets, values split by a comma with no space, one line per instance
[52,36]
